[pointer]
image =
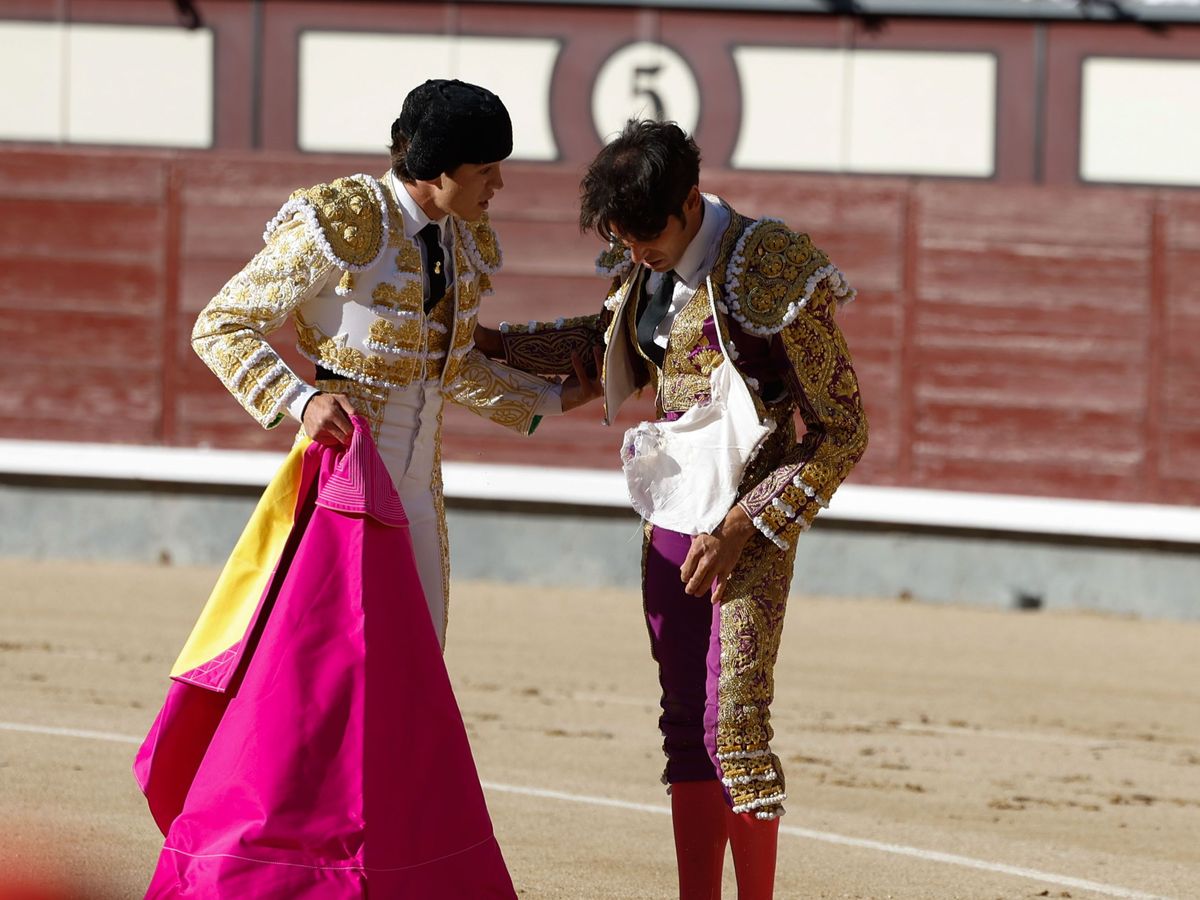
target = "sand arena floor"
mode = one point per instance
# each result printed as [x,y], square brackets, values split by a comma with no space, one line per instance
[931,752]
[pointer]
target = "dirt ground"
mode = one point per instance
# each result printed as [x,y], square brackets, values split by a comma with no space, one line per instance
[931,752]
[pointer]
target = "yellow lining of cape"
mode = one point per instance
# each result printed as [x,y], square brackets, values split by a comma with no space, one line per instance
[230,607]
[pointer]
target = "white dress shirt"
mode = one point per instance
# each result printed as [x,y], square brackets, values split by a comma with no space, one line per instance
[414,220]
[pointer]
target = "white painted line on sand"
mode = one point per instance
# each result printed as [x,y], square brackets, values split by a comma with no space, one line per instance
[884,728]
[827,837]
[1037,737]
[70,732]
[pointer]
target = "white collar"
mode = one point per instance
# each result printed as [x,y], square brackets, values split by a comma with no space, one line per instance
[414,217]
[697,260]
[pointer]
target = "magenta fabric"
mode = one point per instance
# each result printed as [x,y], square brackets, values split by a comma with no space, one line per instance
[337,764]
[685,642]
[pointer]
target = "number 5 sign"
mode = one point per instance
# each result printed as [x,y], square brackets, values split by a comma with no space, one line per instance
[644,81]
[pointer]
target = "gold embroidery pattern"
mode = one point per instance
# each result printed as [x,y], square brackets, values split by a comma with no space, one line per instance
[778,263]
[394,336]
[614,260]
[826,392]
[496,392]
[685,381]
[229,334]
[547,349]
[468,296]
[439,504]
[350,217]
[751,627]
[409,257]
[351,362]
[481,244]
[407,298]
[441,319]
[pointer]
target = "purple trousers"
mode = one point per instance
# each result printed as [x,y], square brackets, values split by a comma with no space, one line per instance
[685,642]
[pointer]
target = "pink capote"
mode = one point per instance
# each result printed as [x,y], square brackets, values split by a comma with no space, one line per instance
[337,764]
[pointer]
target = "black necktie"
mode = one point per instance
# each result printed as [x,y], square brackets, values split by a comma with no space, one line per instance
[653,314]
[435,274]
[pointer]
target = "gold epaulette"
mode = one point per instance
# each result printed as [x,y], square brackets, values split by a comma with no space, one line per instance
[482,245]
[772,275]
[614,261]
[348,219]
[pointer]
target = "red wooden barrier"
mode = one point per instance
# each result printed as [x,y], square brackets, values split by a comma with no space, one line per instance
[1008,338]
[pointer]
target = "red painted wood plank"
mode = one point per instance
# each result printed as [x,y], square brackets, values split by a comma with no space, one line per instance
[63,400]
[68,285]
[82,175]
[83,341]
[70,229]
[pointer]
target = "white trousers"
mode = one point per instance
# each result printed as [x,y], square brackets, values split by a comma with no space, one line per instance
[408,442]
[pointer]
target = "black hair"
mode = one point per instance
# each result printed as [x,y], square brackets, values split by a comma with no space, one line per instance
[636,183]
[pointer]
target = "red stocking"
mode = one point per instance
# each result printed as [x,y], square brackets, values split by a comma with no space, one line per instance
[754,842]
[698,812]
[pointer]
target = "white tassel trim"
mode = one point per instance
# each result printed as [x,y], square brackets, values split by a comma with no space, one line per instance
[809,491]
[403,352]
[746,779]
[743,754]
[303,208]
[388,312]
[773,800]
[535,327]
[251,361]
[613,301]
[270,375]
[769,533]
[618,269]
[353,376]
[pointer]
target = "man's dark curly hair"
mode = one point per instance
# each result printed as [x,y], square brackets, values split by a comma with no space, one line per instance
[639,181]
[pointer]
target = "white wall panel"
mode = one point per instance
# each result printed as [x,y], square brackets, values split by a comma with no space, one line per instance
[31,89]
[387,66]
[904,112]
[779,130]
[1141,121]
[922,113]
[140,85]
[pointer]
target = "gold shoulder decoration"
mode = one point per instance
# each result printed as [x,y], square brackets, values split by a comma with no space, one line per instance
[481,244]
[348,219]
[614,261]
[773,273]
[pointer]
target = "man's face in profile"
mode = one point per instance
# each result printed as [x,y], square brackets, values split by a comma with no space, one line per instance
[467,191]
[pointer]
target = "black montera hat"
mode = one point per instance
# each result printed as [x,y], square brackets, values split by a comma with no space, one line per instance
[448,123]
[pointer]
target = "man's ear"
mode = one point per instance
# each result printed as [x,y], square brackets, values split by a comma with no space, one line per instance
[692,203]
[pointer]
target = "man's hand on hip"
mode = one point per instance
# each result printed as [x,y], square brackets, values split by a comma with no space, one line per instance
[327,419]
[712,556]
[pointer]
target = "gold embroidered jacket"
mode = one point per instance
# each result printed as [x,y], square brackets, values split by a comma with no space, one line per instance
[773,297]
[337,260]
